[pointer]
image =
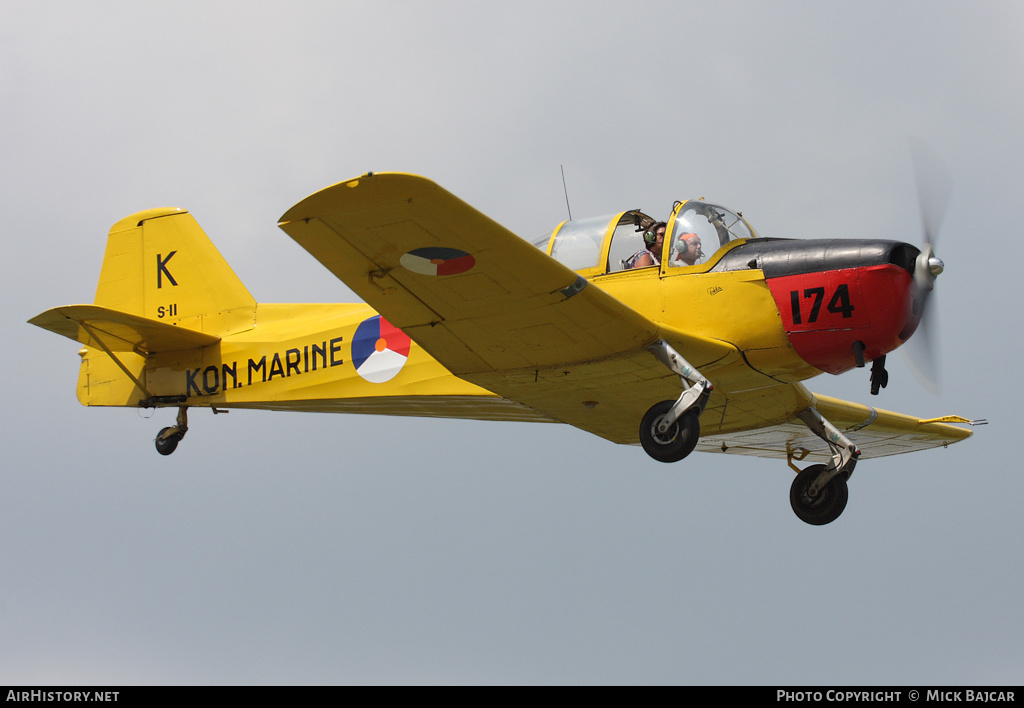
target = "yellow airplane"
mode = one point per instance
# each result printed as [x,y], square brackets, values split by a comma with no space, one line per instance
[611,324]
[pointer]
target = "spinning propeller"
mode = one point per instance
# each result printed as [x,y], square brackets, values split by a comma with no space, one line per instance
[933,190]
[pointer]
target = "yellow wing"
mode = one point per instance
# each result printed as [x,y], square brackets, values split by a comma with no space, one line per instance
[498,312]
[493,309]
[876,432]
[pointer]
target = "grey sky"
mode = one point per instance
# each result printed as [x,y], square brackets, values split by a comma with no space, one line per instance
[294,548]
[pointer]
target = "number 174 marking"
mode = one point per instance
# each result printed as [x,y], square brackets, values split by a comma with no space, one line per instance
[838,304]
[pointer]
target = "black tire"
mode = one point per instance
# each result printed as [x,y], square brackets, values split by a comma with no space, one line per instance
[165,446]
[675,444]
[827,506]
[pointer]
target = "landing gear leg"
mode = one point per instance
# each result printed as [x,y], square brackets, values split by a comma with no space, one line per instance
[167,439]
[819,493]
[670,429]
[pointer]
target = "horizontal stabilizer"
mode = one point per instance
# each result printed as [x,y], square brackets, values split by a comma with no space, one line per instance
[103,328]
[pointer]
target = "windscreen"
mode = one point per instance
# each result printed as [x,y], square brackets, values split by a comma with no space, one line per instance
[701,228]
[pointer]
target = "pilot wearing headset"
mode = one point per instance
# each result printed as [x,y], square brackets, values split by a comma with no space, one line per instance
[689,249]
[654,239]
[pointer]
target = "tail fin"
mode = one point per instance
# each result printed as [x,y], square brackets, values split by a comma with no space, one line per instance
[160,265]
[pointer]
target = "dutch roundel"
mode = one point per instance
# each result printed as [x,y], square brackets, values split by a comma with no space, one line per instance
[379,350]
[436,260]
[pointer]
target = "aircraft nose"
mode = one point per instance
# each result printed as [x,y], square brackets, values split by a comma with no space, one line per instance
[844,302]
[935,266]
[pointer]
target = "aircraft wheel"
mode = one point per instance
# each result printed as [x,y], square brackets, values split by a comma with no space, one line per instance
[165,446]
[829,503]
[674,444]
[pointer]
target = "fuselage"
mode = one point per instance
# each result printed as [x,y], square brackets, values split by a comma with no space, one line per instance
[788,309]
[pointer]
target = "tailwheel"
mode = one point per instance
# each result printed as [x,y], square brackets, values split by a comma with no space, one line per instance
[829,502]
[167,440]
[675,443]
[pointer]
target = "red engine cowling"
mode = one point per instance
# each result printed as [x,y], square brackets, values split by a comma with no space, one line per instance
[840,300]
[825,314]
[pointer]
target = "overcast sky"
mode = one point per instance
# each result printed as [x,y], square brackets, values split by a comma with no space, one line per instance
[300,548]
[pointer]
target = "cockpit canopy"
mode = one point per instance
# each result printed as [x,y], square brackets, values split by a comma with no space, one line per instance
[605,244]
[713,225]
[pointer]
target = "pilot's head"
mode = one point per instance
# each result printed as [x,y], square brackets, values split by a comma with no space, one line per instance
[689,248]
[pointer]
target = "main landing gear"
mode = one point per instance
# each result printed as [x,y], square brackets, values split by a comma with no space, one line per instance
[825,506]
[167,439]
[669,430]
[819,493]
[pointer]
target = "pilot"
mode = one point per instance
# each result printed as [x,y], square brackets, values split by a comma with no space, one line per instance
[654,239]
[689,249]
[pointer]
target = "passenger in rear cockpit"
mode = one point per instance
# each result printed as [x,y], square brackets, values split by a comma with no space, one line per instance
[654,240]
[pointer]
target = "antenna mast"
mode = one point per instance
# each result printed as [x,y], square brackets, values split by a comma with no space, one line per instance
[564,189]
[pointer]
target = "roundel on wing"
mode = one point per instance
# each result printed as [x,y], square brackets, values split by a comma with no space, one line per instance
[436,260]
[379,350]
